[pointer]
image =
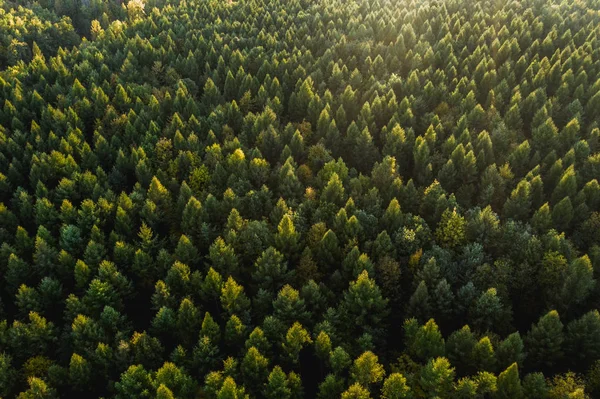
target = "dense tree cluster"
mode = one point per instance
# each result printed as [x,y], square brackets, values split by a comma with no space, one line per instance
[27,31]
[287,199]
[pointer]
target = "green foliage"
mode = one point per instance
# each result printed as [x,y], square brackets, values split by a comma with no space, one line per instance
[295,339]
[425,342]
[545,340]
[251,195]
[436,377]
[254,368]
[451,229]
[366,369]
[277,385]
[356,391]
[509,385]
[395,387]
[32,33]
[135,381]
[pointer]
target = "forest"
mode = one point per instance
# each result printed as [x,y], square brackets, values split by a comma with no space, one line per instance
[286,199]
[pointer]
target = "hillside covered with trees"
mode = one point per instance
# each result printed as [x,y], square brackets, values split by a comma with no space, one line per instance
[290,199]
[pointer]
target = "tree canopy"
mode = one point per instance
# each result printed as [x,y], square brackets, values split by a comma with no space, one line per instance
[288,199]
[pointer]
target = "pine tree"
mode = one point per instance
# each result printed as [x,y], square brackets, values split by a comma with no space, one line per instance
[535,386]
[562,214]
[488,310]
[451,229]
[276,387]
[422,165]
[518,206]
[332,386]
[395,387]
[366,370]
[545,341]
[79,372]
[223,258]
[510,350]
[254,369]
[582,340]
[363,308]
[234,300]
[188,321]
[334,191]
[545,136]
[37,389]
[289,307]
[295,339]
[578,283]
[509,385]
[483,355]
[436,377]
[230,390]
[566,186]
[287,239]
[163,392]
[270,270]
[134,382]
[419,305]
[234,331]
[459,349]
[210,328]
[356,391]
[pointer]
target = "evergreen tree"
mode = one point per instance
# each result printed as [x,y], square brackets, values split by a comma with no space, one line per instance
[395,387]
[366,370]
[509,385]
[356,391]
[544,341]
[581,339]
[363,308]
[276,386]
[436,377]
